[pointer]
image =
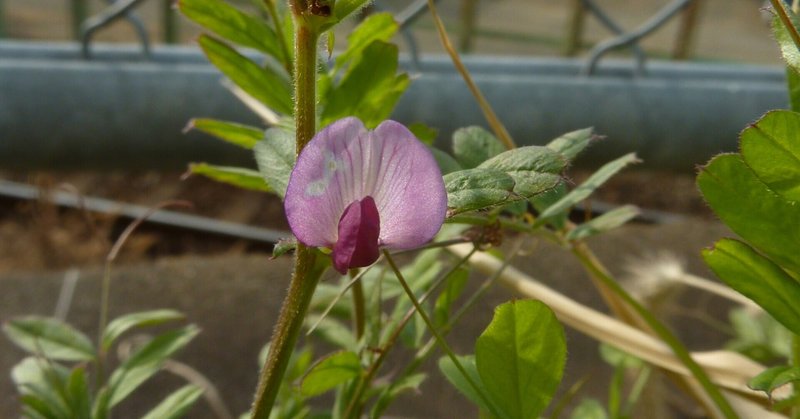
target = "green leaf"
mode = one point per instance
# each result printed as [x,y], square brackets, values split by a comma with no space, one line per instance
[420,274]
[146,361]
[288,30]
[50,337]
[447,164]
[752,210]
[78,395]
[41,384]
[473,189]
[395,389]
[758,278]
[773,378]
[605,222]
[474,145]
[122,324]
[36,408]
[369,89]
[376,27]
[454,286]
[101,408]
[789,50]
[263,83]
[520,357]
[334,332]
[275,156]
[534,169]
[793,84]
[331,371]
[759,336]
[586,188]
[283,247]
[233,25]
[236,176]
[345,8]
[454,376]
[619,358]
[589,409]
[544,200]
[771,147]
[424,133]
[572,143]
[241,135]
[176,404]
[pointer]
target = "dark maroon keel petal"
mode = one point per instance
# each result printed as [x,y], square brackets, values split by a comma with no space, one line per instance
[359,228]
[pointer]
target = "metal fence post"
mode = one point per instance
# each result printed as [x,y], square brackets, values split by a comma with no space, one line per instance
[575,28]
[170,22]
[687,31]
[80,10]
[469,9]
[2,19]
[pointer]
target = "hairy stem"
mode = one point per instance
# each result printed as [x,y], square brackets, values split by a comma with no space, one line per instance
[305,83]
[284,337]
[306,274]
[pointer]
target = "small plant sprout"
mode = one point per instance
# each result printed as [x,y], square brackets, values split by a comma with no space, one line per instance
[355,191]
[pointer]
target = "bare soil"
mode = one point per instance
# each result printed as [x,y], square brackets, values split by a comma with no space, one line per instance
[36,235]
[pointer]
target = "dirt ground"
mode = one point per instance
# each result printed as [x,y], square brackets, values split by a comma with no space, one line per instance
[36,235]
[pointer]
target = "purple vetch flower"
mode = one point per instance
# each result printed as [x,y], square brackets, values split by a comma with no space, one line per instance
[354,190]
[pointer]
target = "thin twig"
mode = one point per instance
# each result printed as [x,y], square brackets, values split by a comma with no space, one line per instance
[728,369]
[336,300]
[392,339]
[494,122]
[106,284]
[442,343]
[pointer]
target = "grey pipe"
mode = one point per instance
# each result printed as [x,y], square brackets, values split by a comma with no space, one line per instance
[116,111]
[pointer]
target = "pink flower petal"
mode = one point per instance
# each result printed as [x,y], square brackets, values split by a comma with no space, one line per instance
[345,163]
[357,245]
[409,190]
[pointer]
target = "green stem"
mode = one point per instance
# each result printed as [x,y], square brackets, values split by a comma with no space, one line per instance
[796,350]
[677,347]
[305,82]
[105,291]
[306,274]
[284,337]
[636,390]
[358,308]
[427,349]
[442,343]
[353,408]
[780,9]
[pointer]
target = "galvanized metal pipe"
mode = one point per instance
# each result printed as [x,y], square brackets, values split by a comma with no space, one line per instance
[116,111]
